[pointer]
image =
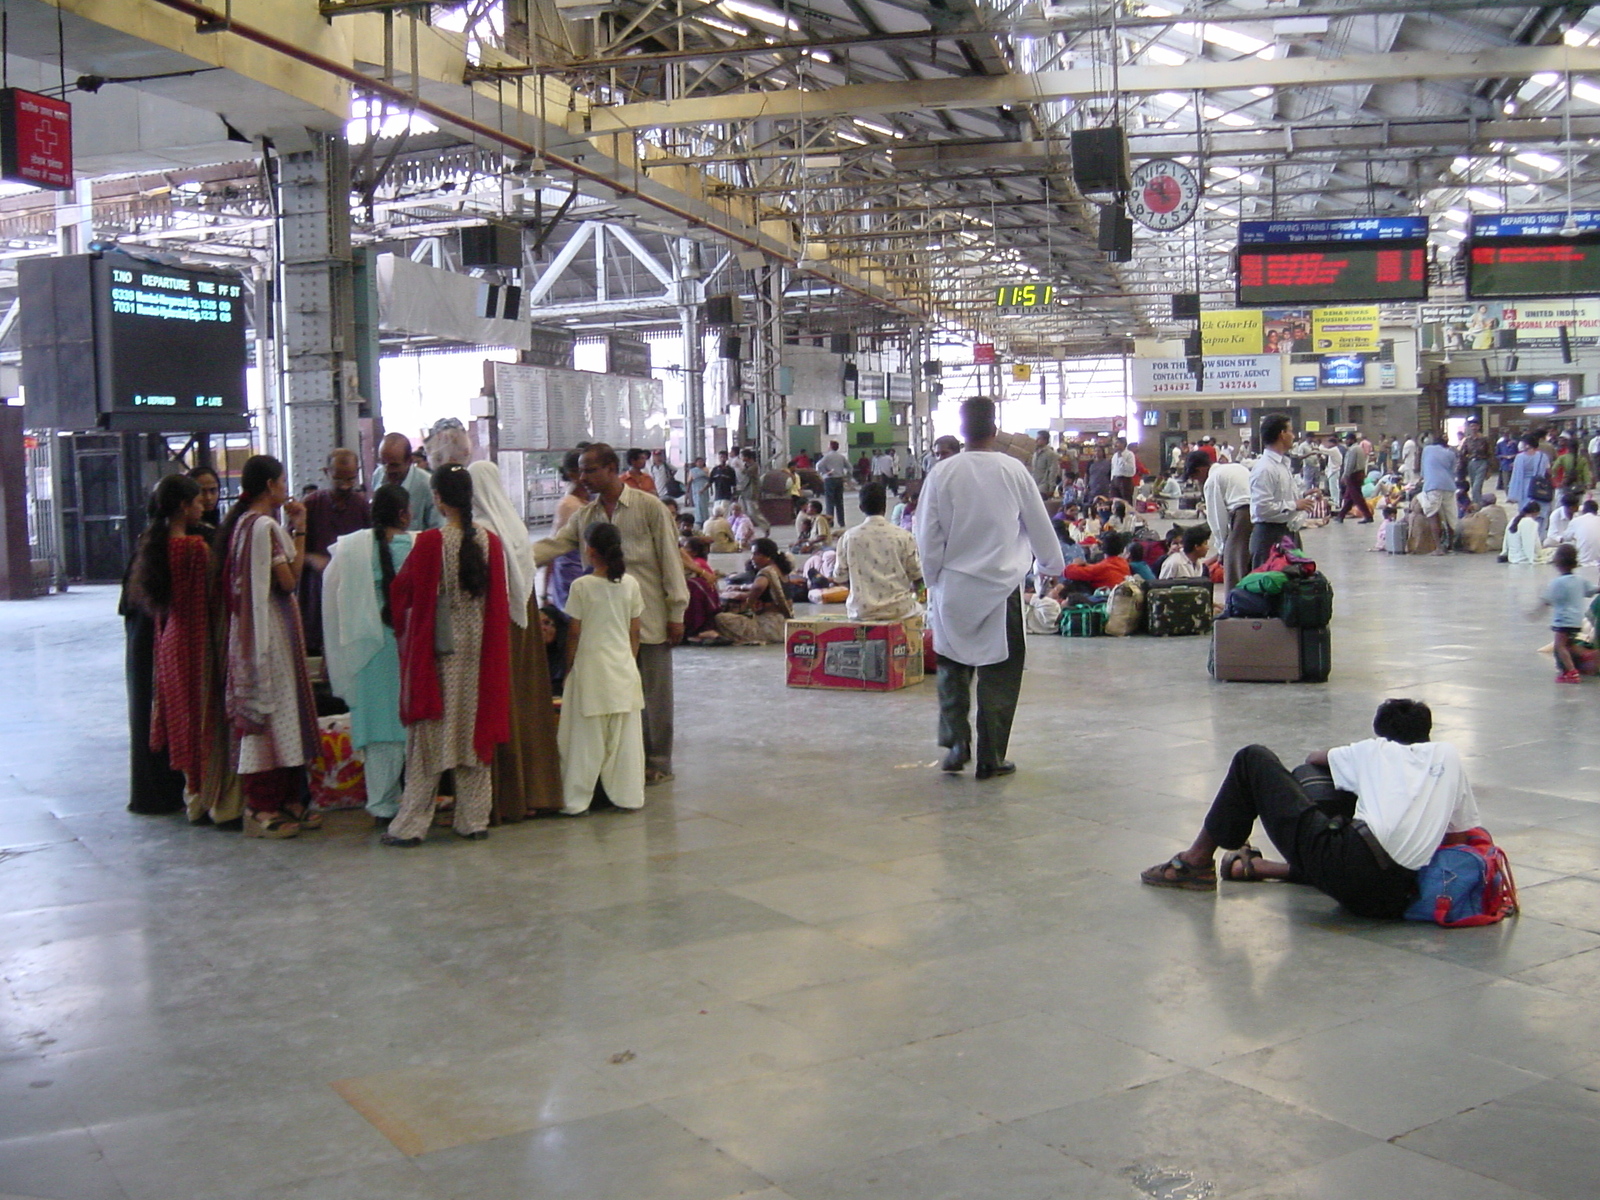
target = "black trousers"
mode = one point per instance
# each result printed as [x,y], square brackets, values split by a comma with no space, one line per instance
[1264,537]
[998,686]
[1310,824]
[833,500]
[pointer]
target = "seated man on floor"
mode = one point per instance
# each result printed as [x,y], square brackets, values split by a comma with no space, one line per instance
[813,529]
[879,563]
[1355,822]
[1189,561]
[1108,572]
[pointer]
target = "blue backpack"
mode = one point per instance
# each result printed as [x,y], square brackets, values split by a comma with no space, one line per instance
[1466,882]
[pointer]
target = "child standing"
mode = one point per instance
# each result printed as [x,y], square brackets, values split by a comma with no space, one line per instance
[1565,596]
[601,734]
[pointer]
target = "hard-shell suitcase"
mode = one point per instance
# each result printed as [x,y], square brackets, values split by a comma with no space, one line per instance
[1307,603]
[1260,650]
[1178,611]
[1397,536]
[1316,655]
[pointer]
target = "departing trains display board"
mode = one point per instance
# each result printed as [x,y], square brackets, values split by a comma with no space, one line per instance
[171,344]
[1502,268]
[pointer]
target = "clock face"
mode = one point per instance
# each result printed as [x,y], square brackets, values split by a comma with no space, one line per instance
[1164,196]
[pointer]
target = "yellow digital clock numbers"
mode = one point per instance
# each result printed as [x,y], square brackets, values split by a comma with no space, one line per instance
[1025,295]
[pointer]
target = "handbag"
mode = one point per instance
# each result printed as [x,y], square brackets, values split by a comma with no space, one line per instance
[1541,489]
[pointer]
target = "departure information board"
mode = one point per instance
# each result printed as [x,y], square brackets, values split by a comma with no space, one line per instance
[1533,266]
[1332,273]
[171,340]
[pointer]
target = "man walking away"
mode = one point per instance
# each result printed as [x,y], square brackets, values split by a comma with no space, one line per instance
[980,524]
[1276,511]
[1354,475]
[1439,492]
[834,469]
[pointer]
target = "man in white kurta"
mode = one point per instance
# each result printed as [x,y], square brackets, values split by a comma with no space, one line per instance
[980,524]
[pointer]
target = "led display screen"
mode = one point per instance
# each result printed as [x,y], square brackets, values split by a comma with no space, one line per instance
[1296,274]
[1344,370]
[1460,393]
[171,341]
[1534,266]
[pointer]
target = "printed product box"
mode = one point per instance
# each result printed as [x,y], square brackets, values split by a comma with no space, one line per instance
[855,656]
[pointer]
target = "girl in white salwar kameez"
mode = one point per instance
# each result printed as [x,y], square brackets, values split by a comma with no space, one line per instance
[601,735]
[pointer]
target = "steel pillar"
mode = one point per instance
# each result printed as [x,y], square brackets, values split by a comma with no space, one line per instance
[766,349]
[316,327]
[691,294]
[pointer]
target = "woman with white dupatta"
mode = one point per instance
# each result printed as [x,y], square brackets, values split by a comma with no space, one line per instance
[359,648]
[527,769]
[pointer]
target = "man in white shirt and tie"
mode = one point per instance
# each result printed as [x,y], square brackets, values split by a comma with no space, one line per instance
[980,525]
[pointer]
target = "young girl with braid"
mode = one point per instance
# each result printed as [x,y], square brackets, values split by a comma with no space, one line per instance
[452,622]
[601,735]
[359,646]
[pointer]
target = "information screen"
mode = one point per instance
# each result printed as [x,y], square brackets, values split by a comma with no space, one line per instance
[1460,392]
[171,340]
[1534,266]
[1344,370]
[1332,273]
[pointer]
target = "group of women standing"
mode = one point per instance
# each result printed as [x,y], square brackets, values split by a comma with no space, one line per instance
[432,639]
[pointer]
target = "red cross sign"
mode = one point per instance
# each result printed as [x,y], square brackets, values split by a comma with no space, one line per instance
[35,139]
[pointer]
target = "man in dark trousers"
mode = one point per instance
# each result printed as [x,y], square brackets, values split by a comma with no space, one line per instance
[1355,822]
[724,479]
[1354,474]
[980,525]
[834,468]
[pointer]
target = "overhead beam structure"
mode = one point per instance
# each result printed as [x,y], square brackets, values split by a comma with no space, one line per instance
[1004,91]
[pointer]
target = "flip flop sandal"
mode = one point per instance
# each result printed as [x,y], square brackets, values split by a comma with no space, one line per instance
[1176,873]
[1245,856]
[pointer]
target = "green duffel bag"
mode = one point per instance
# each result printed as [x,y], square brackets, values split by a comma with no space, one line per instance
[1082,620]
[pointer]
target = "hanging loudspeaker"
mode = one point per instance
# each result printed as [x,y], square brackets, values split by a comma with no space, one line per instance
[1186,306]
[1505,339]
[1488,376]
[512,306]
[1100,160]
[1116,233]
[1511,362]
[731,345]
[1566,344]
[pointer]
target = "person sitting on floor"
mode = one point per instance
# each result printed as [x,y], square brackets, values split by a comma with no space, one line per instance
[719,530]
[1355,822]
[814,529]
[1187,562]
[1109,571]
[1137,563]
[879,563]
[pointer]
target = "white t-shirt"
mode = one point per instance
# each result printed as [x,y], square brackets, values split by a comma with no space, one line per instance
[1409,796]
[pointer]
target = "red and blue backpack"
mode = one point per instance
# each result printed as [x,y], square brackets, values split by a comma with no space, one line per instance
[1466,882]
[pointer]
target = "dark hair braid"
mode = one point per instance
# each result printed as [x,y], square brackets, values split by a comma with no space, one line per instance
[255,477]
[453,482]
[152,571]
[389,504]
[605,540]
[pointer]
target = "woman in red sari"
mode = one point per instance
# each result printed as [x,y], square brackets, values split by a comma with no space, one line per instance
[169,582]
[268,694]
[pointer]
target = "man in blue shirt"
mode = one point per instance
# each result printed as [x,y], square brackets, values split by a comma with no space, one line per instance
[1439,491]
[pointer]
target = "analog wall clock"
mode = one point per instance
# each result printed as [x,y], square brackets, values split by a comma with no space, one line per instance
[1164,195]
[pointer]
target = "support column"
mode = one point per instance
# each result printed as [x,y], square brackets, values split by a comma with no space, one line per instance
[691,295]
[320,402]
[772,416]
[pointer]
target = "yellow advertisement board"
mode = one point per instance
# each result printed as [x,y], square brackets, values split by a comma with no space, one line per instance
[1021,372]
[1349,330]
[1230,332]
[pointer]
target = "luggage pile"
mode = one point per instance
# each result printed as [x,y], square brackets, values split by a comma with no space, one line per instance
[1274,627]
[1166,608]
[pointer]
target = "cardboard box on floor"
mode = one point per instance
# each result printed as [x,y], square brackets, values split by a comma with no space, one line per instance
[853,656]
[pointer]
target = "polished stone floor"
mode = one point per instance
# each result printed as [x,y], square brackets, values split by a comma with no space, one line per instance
[815,968]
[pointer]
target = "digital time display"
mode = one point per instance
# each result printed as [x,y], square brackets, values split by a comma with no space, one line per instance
[1025,295]
[1534,266]
[1334,273]
[172,344]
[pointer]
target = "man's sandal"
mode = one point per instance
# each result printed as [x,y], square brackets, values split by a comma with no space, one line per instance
[1245,857]
[1178,874]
